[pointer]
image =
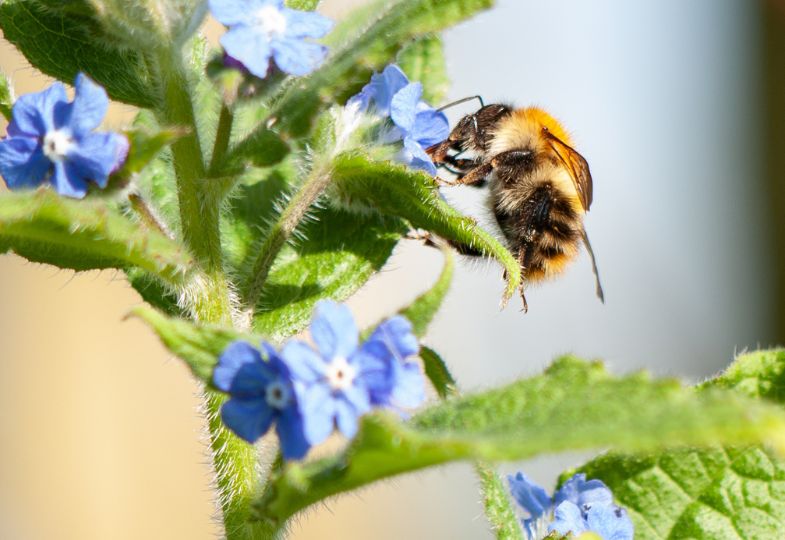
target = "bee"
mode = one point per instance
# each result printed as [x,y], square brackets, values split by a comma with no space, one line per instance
[540,186]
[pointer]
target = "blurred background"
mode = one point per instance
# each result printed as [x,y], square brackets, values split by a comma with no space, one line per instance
[679,107]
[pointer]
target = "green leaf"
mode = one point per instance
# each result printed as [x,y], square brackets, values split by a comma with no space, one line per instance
[498,505]
[715,493]
[423,60]
[302,5]
[422,311]
[437,372]
[82,235]
[363,42]
[6,97]
[199,346]
[154,291]
[397,191]
[61,44]
[573,405]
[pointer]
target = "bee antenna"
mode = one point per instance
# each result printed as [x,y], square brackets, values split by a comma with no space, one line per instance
[464,100]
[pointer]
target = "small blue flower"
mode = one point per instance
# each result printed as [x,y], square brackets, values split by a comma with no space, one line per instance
[262,392]
[261,30]
[390,94]
[341,380]
[578,506]
[50,138]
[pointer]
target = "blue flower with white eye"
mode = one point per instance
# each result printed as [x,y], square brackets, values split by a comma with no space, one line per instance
[578,506]
[265,30]
[390,94]
[262,393]
[52,139]
[342,379]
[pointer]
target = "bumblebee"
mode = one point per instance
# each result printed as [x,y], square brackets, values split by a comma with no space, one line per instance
[540,186]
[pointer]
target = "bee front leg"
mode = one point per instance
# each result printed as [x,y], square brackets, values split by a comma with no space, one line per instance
[475,175]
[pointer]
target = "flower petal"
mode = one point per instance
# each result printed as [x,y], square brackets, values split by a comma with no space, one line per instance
[567,519]
[249,46]
[297,57]
[384,86]
[33,114]
[97,155]
[396,334]
[403,107]
[531,497]
[303,362]
[317,406]
[346,417]
[234,357]
[610,522]
[416,157]
[409,390]
[375,369]
[291,434]
[23,163]
[88,108]
[301,24]
[248,419]
[231,12]
[582,493]
[69,180]
[333,330]
[430,127]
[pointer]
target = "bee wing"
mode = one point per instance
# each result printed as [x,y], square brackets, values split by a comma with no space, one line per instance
[576,165]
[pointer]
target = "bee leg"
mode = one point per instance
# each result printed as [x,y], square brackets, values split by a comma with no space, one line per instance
[521,262]
[477,174]
[600,293]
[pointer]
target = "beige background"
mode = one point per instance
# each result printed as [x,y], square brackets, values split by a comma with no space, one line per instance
[99,436]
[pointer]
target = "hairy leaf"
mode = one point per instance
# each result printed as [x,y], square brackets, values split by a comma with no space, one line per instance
[6,97]
[423,60]
[82,235]
[573,405]
[731,492]
[199,346]
[147,24]
[302,5]
[437,372]
[397,191]
[154,291]
[61,44]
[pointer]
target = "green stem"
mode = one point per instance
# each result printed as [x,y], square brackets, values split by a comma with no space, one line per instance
[222,135]
[234,460]
[317,181]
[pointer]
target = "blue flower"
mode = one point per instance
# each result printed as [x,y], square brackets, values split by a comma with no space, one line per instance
[50,138]
[342,380]
[261,30]
[578,506]
[262,392]
[390,94]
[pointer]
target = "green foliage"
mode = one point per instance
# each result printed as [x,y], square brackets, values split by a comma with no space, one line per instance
[397,191]
[63,42]
[423,60]
[82,235]
[6,94]
[573,405]
[714,493]
[498,505]
[437,372]
[303,5]
[197,345]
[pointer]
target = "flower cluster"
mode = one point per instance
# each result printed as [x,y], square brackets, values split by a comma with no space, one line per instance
[52,139]
[579,506]
[265,30]
[308,391]
[417,124]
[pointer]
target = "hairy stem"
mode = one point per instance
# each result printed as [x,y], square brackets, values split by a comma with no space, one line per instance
[146,214]
[222,136]
[497,503]
[208,294]
[281,231]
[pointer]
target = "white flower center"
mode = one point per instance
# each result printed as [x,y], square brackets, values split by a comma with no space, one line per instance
[57,144]
[271,20]
[277,395]
[340,374]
